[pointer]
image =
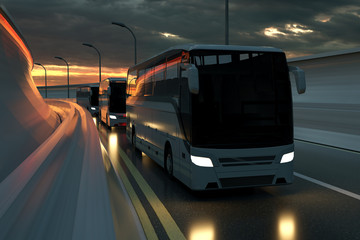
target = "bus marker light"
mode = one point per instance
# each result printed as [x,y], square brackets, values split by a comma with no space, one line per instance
[288,157]
[202,161]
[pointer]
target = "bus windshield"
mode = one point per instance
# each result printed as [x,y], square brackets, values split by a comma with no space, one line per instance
[118,97]
[244,100]
[94,100]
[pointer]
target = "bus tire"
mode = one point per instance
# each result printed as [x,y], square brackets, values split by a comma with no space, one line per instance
[169,162]
[133,139]
[107,121]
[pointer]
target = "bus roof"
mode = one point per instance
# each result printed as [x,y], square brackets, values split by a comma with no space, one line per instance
[115,79]
[190,47]
[86,86]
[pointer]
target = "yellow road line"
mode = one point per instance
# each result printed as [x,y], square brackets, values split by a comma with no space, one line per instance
[164,216]
[144,218]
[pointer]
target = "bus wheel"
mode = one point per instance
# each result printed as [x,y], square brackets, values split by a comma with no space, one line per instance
[133,140]
[107,121]
[169,163]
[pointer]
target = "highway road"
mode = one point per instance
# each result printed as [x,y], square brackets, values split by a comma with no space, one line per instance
[322,203]
[53,185]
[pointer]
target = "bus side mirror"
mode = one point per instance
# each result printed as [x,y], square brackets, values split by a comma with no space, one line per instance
[299,75]
[192,74]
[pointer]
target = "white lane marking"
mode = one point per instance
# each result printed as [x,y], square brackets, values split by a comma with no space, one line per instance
[120,180]
[337,189]
[328,146]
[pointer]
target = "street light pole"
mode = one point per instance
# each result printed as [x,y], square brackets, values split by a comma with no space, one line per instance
[68,83]
[124,26]
[226,22]
[89,45]
[45,77]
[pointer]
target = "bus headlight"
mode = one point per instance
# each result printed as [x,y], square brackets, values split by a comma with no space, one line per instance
[201,161]
[92,108]
[288,157]
[112,116]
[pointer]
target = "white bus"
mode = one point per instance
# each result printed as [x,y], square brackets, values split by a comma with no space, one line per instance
[112,101]
[88,97]
[215,116]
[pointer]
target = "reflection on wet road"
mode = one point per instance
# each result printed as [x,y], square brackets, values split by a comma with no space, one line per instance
[302,210]
[286,226]
[202,230]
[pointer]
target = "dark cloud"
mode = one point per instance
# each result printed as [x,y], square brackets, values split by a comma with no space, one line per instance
[58,27]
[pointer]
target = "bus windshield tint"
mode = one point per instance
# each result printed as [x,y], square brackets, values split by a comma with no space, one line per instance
[118,97]
[94,101]
[244,100]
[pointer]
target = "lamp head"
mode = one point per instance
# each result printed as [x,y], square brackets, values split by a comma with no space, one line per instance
[119,24]
[88,45]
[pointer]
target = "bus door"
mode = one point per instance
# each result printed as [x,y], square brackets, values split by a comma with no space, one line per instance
[184,121]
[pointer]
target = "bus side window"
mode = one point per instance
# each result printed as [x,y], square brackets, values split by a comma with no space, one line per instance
[159,78]
[210,60]
[148,81]
[196,60]
[224,59]
[131,82]
[140,86]
[172,78]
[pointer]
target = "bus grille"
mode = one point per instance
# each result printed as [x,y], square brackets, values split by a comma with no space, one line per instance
[241,161]
[247,181]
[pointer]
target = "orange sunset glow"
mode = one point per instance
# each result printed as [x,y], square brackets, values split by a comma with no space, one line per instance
[57,75]
[16,37]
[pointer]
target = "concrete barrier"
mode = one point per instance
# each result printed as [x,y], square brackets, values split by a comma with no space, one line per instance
[53,183]
[60,190]
[329,111]
[26,120]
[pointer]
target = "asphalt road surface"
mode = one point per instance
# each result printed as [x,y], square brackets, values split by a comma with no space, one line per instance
[322,203]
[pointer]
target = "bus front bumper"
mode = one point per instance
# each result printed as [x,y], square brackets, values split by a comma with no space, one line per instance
[117,120]
[242,168]
[94,110]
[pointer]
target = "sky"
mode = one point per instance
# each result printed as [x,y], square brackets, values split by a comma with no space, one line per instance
[59,27]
